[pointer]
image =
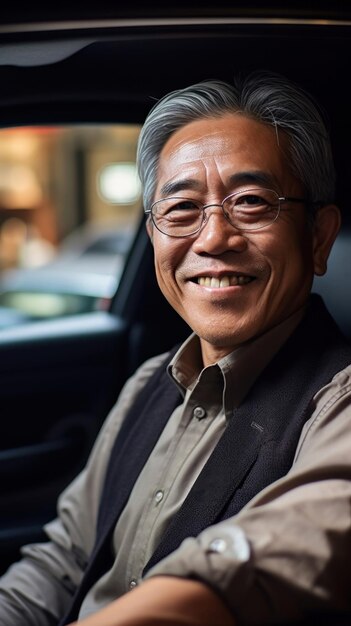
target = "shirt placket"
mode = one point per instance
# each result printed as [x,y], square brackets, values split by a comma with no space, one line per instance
[195,417]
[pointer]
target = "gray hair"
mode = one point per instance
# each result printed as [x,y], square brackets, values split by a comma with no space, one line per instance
[266,97]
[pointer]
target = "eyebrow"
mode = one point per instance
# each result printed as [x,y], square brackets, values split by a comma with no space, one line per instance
[172,187]
[257,177]
[254,177]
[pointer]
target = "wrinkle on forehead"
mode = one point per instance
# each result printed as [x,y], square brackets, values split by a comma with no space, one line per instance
[203,138]
[203,147]
[223,147]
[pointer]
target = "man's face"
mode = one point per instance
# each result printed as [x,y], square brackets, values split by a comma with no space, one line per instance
[207,160]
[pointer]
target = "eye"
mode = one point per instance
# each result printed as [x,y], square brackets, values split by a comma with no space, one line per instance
[183,205]
[178,209]
[250,200]
[252,208]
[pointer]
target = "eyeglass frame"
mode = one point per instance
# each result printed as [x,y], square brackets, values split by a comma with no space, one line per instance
[280,200]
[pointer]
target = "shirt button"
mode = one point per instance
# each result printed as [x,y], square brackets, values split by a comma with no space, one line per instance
[159,496]
[199,412]
[133,583]
[218,546]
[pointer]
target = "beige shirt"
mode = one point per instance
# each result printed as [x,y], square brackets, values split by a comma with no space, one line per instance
[286,550]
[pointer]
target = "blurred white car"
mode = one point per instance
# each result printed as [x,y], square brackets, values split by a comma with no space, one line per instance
[82,277]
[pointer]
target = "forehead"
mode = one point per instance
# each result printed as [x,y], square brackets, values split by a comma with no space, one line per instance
[225,144]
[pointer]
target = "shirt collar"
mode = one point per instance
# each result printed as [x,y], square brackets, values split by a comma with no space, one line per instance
[239,369]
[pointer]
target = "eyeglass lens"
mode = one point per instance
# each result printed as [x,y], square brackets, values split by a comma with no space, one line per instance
[249,209]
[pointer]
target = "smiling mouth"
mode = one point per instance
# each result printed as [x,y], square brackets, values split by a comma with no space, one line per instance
[224,281]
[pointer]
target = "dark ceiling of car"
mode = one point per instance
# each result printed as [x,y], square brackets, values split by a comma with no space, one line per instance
[105,72]
[38,11]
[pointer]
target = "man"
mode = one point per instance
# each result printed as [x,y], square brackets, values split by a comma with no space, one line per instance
[219,488]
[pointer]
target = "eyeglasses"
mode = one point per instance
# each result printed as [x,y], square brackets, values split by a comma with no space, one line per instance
[250,209]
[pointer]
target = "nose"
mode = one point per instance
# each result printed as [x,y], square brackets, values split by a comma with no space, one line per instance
[217,234]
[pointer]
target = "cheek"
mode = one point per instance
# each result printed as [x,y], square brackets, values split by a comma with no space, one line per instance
[163,272]
[290,261]
[287,251]
[168,254]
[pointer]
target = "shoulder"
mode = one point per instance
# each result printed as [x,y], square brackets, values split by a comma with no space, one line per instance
[328,430]
[101,450]
[131,390]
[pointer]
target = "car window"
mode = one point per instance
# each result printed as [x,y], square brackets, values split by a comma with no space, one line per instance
[70,203]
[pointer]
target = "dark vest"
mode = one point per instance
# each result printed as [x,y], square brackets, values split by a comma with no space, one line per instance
[257,447]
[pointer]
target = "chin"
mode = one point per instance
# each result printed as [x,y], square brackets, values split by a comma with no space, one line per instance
[226,334]
[224,340]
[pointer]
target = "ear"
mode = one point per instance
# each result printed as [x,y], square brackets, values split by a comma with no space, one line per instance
[150,228]
[325,229]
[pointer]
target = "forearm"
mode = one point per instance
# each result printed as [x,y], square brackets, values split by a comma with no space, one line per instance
[295,560]
[31,596]
[38,589]
[165,601]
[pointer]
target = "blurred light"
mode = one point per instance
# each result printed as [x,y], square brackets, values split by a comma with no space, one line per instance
[118,183]
[19,186]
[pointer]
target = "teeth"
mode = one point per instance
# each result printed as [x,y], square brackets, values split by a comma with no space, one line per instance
[243,280]
[225,281]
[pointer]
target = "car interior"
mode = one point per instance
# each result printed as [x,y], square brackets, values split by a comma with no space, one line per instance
[60,377]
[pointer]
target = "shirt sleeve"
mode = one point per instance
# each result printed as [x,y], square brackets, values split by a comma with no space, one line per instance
[38,589]
[287,553]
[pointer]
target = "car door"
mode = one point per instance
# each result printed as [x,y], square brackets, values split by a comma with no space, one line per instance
[59,378]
